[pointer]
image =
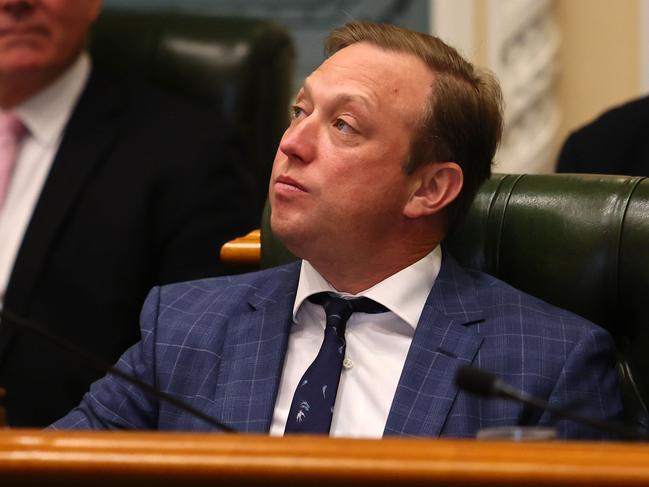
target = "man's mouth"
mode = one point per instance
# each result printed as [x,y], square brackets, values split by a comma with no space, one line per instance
[25,30]
[288,183]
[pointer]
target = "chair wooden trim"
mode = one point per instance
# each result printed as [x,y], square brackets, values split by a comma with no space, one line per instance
[243,251]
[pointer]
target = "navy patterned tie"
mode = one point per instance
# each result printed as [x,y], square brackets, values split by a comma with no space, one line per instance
[313,403]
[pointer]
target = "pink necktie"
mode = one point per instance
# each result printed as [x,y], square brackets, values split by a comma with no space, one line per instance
[11,132]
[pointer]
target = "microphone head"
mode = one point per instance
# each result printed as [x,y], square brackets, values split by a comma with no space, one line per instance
[476,381]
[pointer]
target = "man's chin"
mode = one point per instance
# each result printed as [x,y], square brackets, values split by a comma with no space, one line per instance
[291,233]
[23,60]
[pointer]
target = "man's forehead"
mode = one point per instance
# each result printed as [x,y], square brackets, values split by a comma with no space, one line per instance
[363,57]
[367,74]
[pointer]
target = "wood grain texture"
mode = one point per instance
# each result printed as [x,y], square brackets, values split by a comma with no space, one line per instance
[137,458]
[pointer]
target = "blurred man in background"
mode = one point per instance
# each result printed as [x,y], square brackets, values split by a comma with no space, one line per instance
[106,189]
[616,142]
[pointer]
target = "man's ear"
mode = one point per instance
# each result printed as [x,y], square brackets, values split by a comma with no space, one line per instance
[436,186]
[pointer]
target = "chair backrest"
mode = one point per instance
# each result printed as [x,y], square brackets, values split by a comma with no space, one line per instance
[239,68]
[580,242]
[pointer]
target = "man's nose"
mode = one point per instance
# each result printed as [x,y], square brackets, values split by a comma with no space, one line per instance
[17,8]
[300,139]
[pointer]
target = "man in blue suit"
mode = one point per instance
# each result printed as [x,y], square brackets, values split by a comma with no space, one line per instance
[390,138]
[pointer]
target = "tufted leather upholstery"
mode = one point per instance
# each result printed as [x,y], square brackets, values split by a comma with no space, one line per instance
[240,68]
[580,242]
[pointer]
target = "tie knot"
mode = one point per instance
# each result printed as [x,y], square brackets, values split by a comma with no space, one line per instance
[343,308]
[11,126]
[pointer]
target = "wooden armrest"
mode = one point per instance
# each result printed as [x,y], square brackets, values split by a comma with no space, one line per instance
[243,251]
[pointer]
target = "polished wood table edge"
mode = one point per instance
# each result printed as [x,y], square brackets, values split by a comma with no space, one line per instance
[83,457]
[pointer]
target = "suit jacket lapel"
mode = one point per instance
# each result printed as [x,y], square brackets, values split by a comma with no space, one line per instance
[443,341]
[88,134]
[253,354]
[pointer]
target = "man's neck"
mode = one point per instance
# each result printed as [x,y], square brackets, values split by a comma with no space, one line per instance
[356,273]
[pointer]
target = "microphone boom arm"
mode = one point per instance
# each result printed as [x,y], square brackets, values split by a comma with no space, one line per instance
[485,384]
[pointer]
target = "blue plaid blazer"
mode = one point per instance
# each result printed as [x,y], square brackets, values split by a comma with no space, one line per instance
[219,345]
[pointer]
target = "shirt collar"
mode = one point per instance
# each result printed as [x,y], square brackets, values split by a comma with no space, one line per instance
[403,293]
[46,113]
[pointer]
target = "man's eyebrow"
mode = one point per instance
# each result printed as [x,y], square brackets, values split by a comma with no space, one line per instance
[366,102]
[351,98]
[339,98]
[300,93]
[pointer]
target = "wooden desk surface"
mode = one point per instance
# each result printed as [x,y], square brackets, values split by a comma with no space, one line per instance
[134,458]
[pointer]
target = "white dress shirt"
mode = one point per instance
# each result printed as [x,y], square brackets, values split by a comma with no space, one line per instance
[45,116]
[377,345]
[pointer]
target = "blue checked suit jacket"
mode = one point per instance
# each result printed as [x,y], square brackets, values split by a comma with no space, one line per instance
[219,345]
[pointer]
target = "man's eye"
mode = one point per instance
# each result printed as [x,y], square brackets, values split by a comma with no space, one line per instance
[296,112]
[343,126]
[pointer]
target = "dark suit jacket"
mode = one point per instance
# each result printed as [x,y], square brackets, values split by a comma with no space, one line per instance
[143,191]
[617,142]
[219,344]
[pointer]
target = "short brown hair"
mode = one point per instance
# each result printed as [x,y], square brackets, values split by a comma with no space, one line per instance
[462,121]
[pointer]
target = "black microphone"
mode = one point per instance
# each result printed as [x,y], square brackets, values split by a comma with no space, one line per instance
[102,366]
[485,384]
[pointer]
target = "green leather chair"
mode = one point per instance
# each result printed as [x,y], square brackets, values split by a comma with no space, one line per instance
[580,242]
[240,68]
